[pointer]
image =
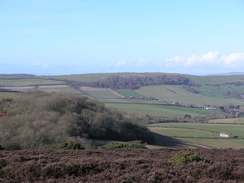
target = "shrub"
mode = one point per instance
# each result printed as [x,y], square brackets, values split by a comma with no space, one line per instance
[71,146]
[1,147]
[125,145]
[184,158]
[12,146]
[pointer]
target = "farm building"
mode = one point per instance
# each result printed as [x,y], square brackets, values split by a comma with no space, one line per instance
[226,135]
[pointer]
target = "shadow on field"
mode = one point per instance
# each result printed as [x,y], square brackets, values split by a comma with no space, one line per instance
[161,140]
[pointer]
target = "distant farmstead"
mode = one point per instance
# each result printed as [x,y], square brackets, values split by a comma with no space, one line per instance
[226,135]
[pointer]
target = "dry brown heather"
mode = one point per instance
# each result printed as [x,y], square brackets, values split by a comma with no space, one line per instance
[124,165]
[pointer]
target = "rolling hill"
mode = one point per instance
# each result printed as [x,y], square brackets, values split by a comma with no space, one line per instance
[156,97]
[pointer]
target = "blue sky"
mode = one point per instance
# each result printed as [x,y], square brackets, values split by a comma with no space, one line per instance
[49,37]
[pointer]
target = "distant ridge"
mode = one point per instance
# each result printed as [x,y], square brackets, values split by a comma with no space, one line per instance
[17,75]
[227,74]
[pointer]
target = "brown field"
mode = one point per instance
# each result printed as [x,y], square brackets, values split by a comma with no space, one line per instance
[53,86]
[87,88]
[124,165]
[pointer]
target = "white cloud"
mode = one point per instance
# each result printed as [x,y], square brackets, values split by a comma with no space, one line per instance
[141,63]
[211,59]
[233,60]
[43,65]
[120,64]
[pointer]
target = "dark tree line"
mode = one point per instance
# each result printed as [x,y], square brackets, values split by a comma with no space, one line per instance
[133,82]
[238,95]
[190,89]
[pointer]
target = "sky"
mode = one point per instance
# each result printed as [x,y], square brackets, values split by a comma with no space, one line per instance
[60,37]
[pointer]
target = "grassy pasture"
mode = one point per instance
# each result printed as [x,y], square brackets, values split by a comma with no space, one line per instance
[216,79]
[182,132]
[102,94]
[228,121]
[176,93]
[129,93]
[234,129]
[47,88]
[4,95]
[21,88]
[160,110]
[219,92]
[191,132]
[217,143]
[66,89]
[6,76]
[26,82]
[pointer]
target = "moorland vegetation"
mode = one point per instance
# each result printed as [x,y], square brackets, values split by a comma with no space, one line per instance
[123,165]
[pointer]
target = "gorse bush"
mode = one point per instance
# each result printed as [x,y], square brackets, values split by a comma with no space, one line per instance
[125,145]
[71,146]
[184,158]
[42,120]
[1,148]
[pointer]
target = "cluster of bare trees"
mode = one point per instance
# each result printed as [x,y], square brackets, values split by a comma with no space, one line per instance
[40,119]
[133,82]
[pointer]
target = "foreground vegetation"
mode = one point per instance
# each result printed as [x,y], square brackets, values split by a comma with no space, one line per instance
[130,165]
[45,120]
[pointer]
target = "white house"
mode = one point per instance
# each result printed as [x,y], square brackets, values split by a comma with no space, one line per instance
[226,135]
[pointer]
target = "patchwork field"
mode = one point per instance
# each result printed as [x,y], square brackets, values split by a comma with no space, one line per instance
[27,82]
[100,93]
[209,90]
[228,121]
[48,88]
[160,110]
[202,134]
[209,95]
[132,93]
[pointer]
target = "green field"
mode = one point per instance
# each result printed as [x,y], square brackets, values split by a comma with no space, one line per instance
[160,110]
[4,95]
[102,94]
[175,93]
[129,93]
[67,89]
[201,134]
[183,132]
[216,79]
[26,82]
[217,143]
[228,121]
[234,129]
[7,76]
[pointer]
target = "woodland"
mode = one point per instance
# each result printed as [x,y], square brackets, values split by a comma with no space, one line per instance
[46,120]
